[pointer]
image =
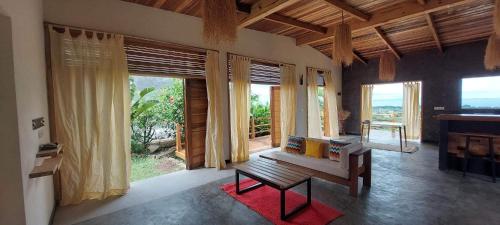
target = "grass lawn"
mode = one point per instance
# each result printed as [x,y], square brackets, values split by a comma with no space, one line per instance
[145,167]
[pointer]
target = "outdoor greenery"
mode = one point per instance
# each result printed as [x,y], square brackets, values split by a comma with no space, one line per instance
[144,167]
[262,114]
[154,113]
[156,106]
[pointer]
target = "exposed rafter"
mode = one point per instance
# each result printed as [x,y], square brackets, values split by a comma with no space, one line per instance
[359,58]
[348,9]
[387,42]
[243,11]
[265,8]
[296,23]
[159,3]
[393,13]
[181,6]
[432,27]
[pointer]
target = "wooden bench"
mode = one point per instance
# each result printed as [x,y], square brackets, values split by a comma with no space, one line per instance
[355,170]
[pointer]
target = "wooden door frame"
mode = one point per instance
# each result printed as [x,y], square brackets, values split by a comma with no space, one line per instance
[273,116]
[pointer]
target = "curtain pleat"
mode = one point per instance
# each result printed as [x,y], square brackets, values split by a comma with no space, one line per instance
[92,118]
[288,101]
[239,94]
[366,102]
[331,97]
[213,143]
[411,109]
[313,110]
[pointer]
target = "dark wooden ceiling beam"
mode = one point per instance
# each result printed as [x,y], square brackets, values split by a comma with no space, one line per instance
[359,58]
[348,9]
[296,23]
[180,6]
[393,13]
[159,3]
[264,8]
[434,32]
[387,42]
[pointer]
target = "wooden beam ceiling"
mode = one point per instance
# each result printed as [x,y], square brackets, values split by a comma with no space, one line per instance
[434,32]
[348,9]
[264,8]
[387,42]
[180,6]
[393,13]
[159,3]
[410,25]
[296,23]
[359,58]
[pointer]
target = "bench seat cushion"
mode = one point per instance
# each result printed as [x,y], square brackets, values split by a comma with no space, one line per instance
[324,164]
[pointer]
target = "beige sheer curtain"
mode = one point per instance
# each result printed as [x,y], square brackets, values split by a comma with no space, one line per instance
[411,109]
[288,101]
[213,142]
[92,118]
[366,102]
[240,107]
[331,97]
[313,111]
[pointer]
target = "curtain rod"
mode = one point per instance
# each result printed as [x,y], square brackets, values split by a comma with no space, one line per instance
[318,69]
[46,23]
[262,60]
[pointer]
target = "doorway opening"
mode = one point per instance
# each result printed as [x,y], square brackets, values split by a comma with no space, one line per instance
[260,117]
[157,126]
[388,106]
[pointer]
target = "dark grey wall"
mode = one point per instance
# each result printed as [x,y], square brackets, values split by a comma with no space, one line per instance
[440,74]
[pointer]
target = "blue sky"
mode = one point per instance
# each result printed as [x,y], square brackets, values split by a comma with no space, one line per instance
[482,87]
[388,94]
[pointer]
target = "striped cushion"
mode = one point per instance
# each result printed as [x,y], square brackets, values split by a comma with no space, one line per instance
[294,145]
[334,150]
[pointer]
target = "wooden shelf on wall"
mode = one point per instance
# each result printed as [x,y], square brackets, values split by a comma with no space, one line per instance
[48,167]
[52,152]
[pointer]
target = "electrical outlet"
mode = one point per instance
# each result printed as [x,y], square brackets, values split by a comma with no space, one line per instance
[439,108]
[37,123]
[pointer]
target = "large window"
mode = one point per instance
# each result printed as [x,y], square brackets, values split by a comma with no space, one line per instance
[481,93]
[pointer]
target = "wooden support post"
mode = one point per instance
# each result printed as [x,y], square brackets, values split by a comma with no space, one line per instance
[252,126]
[178,137]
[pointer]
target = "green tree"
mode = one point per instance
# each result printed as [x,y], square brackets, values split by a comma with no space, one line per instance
[142,117]
[261,113]
[171,107]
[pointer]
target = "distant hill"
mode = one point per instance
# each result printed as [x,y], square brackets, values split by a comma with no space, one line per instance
[157,82]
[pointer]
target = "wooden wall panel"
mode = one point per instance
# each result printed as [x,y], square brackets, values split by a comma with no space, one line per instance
[196,106]
[275,116]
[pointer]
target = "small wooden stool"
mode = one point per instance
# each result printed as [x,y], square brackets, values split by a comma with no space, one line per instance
[491,152]
[365,124]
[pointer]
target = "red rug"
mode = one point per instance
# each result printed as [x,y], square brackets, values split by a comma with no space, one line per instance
[266,201]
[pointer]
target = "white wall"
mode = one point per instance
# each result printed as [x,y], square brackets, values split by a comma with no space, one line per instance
[11,190]
[31,102]
[137,20]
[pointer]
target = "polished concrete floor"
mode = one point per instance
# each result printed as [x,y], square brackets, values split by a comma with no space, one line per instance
[406,189]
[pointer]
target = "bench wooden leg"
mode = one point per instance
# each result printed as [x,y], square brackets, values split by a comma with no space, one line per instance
[353,176]
[367,175]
